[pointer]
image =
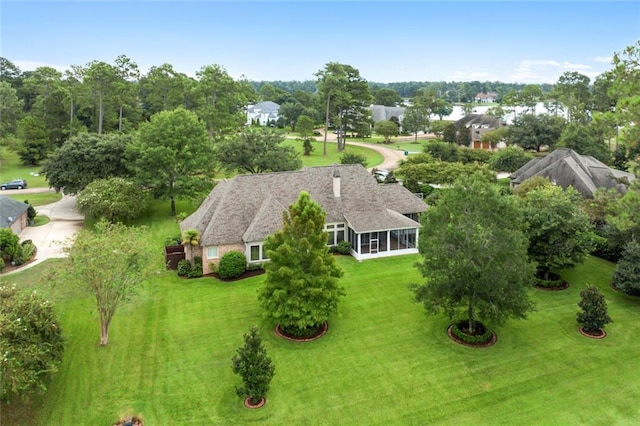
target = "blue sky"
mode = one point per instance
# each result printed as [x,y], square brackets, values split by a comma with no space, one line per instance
[511,41]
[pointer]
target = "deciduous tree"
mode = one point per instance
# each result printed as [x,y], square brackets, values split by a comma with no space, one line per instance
[173,156]
[301,290]
[387,129]
[509,159]
[474,257]
[257,150]
[85,158]
[111,261]
[560,234]
[415,120]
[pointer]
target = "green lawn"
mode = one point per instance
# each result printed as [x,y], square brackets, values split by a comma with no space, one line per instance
[10,168]
[333,156]
[382,362]
[39,199]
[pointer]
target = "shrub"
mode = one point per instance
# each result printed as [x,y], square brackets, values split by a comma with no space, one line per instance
[2,265]
[344,247]
[174,240]
[353,158]
[254,266]
[473,339]
[28,250]
[184,268]
[31,343]
[626,277]
[232,264]
[196,268]
[8,244]
[594,314]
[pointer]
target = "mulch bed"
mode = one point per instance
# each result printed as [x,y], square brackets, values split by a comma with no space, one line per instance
[597,334]
[248,404]
[245,274]
[8,267]
[494,339]
[563,286]
[131,421]
[321,332]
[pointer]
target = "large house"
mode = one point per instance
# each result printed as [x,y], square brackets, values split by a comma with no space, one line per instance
[565,167]
[13,214]
[263,113]
[486,97]
[478,125]
[386,113]
[239,213]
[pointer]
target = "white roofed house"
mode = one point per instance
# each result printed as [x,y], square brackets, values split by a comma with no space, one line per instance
[239,213]
[263,113]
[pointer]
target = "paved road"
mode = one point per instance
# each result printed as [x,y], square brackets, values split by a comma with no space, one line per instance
[26,191]
[50,238]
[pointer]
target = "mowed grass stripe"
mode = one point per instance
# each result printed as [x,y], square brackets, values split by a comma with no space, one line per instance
[382,362]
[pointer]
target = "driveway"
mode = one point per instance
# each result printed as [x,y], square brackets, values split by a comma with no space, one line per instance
[49,239]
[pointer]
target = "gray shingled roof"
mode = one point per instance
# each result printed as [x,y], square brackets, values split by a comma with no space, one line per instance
[382,113]
[264,107]
[566,167]
[249,207]
[10,210]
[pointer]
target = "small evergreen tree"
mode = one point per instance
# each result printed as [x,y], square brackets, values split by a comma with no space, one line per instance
[594,314]
[254,366]
[31,212]
[626,277]
[301,290]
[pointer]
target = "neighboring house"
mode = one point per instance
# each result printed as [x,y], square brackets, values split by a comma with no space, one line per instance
[386,113]
[486,97]
[239,213]
[263,113]
[478,125]
[13,214]
[565,167]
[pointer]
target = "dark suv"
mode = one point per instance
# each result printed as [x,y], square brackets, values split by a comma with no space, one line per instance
[14,184]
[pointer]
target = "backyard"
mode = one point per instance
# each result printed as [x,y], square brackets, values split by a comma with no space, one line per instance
[382,361]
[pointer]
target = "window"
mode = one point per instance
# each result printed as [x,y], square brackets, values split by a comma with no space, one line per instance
[335,233]
[254,253]
[212,252]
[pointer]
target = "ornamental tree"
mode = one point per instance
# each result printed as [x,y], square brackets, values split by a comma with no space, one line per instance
[559,231]
[301,289]
[31,343]
[110,262]
[474,255]
[254,366]
[593,316]
[387,129]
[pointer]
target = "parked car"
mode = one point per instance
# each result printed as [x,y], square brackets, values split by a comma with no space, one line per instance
[14,184]
[380,174]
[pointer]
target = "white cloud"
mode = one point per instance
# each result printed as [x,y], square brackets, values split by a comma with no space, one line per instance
[603,59]
[545,70]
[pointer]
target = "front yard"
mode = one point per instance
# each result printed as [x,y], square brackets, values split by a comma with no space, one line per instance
[382,361]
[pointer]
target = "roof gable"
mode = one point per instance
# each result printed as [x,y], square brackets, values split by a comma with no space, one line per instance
[566,167]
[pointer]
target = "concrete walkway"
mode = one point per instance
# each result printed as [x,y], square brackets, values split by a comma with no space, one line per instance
[50,238]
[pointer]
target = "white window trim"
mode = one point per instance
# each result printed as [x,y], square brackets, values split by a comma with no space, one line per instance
[217,254]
